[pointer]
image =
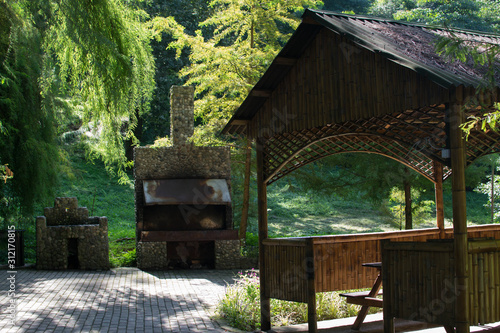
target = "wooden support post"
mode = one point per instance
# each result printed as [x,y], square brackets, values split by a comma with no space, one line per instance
[246,191]
[311,288]
[438,186]
[457,145]
[388,286]
[265,304]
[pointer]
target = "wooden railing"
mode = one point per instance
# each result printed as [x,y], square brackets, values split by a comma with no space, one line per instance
[295,269]
[334,262]
[419,281]
[484,282]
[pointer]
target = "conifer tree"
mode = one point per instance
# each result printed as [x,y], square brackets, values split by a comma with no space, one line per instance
[231,50]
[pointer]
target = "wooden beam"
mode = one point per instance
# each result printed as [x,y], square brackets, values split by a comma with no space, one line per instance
[458,162]
[308,20]
[438,188]
[265,301]
[312,322]
[388,287]
[260,93]
[285,61]
[246,191]
[188,235]
[240,122]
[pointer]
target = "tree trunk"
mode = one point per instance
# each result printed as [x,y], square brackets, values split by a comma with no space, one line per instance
[128,144]
[408,214]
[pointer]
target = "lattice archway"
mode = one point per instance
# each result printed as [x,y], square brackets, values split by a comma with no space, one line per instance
[415,138]
[350,143]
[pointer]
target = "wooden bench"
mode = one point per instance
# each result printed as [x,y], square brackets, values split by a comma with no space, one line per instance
[363,298]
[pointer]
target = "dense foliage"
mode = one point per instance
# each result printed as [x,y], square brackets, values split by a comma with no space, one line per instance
[481,15]
[156,123]
[230,51]
[27,139]
[64,66]
[103,58]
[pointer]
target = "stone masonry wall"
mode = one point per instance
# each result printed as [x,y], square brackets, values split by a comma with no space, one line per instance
[184,162]
[227,254]
[181,114]
[53,233]
[66,212]
[151,255]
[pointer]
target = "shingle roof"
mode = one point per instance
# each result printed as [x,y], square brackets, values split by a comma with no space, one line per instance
[408,44]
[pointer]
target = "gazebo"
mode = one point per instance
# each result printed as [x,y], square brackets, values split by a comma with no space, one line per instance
[347,83]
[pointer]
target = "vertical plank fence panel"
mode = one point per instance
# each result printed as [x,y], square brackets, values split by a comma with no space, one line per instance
[419,274]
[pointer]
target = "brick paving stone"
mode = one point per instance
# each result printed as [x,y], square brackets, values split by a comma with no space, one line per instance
[118,300]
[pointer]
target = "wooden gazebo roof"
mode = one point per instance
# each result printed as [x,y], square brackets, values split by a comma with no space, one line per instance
[346,83]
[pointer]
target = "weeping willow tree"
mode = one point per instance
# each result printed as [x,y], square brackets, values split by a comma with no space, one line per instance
[63,57]
[102,52]
[230,52]
[27,139]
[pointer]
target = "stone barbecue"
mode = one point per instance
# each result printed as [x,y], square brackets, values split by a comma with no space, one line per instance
[182,199]
[67,238]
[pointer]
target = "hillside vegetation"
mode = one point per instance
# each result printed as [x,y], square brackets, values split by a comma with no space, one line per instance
[293,211]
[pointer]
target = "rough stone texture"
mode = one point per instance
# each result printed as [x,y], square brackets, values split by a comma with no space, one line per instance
[227,254]
[151,255]
[180,163]
[67,212]
[54,231]
[181,114]
[249,263]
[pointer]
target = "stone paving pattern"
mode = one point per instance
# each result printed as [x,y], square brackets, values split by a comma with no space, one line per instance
[119,300]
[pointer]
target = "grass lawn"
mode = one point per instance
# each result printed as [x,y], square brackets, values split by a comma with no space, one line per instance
[292,213]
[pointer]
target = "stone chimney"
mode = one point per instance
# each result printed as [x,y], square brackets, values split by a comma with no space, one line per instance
[181,114]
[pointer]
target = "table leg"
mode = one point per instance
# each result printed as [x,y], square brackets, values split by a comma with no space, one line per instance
[364,309]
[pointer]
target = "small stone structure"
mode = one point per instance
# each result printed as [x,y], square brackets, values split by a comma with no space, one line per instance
[181,222]
[67,238]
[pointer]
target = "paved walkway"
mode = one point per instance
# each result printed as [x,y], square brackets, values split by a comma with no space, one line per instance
[119,300]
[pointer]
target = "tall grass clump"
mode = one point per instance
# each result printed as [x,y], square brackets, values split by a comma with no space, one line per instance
[240,306]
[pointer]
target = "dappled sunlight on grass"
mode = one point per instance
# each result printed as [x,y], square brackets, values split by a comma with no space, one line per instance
[335,225]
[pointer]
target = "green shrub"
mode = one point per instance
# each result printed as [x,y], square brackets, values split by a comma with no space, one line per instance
[240,306]
[124,259]
[251,247]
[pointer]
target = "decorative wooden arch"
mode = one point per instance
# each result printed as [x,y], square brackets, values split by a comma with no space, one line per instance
[357,84]
[391,135]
